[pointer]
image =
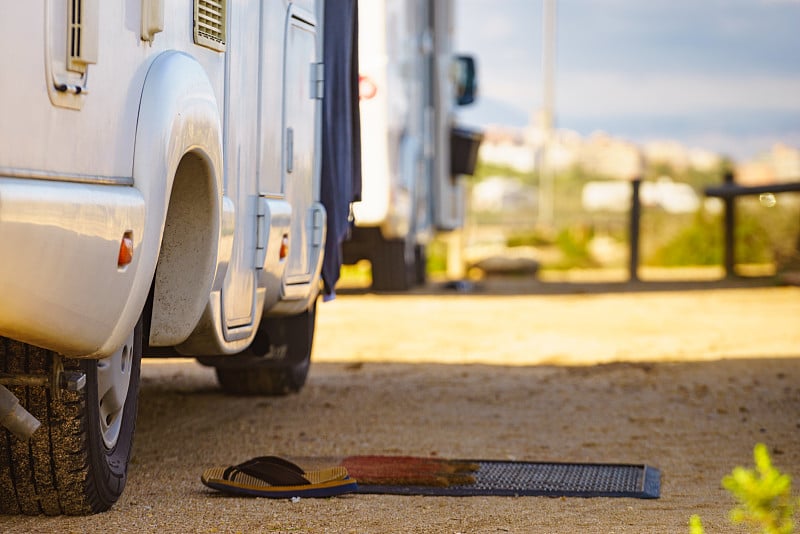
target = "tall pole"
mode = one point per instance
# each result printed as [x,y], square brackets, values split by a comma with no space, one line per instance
[546,193]
[635,224]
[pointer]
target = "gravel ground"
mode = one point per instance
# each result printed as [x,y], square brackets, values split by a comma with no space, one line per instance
[686,380]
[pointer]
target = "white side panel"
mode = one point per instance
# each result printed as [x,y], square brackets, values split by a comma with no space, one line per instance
[273,26]
[393,49]
[68,142]
[241,158]
[375,190]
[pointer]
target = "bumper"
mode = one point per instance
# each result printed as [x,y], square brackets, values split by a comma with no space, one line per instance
[60,286]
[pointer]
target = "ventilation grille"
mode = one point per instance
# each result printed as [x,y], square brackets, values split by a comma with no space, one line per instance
[74,31]
[81,34]
[209,23]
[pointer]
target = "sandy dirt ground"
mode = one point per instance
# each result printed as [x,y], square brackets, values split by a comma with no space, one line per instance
[686,378]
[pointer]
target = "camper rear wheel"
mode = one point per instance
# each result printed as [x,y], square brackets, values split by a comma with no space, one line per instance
[277,362]
[420,265]
[76,463]
[391,271]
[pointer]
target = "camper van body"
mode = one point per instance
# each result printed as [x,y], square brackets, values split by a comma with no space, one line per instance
[159,193]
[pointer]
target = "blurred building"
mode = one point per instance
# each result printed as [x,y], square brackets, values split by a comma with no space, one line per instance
[679,157]
[780,164]
[615,196]
[672,197]
[501,194]
[504,146]
[607,195]
[667,152]
[611,157]
[521,150]
[616,158]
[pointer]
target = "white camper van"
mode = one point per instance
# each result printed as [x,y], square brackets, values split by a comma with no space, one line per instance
[159,193]
[411,83]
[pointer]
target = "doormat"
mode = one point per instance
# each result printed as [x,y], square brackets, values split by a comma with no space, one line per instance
[406,475]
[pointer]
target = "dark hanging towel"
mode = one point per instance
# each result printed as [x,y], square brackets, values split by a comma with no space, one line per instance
[341,131]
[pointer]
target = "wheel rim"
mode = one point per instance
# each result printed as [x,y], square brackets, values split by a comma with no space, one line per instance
[113,381]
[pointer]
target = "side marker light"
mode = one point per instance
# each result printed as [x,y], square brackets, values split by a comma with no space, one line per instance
[284,250]
[125,250]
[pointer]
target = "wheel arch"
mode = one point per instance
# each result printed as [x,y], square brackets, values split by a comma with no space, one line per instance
[178,169]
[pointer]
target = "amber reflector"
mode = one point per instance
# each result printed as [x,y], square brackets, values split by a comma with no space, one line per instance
[125,250]
[284,251]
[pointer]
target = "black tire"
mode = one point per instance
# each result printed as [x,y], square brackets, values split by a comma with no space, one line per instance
[420,265]
[390,269]
[73,464]
[278,361]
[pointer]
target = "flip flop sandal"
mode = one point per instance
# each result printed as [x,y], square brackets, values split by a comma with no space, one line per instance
[270,476]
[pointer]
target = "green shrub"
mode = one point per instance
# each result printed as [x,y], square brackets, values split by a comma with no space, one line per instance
[534,238]
[436,257]
[764,497]
[701,243]
[573,243]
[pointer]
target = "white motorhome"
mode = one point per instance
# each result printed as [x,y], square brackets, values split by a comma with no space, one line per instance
[410,84]
[159,193]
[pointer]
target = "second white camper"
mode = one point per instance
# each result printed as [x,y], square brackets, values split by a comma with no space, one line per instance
[411,83]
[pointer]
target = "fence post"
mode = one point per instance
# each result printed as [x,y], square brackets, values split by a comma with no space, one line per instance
[730,226]
[633,235]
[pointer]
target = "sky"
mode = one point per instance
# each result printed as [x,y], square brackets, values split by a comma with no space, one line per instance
[722,75]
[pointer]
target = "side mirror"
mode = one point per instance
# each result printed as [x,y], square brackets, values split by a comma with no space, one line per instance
[465,80]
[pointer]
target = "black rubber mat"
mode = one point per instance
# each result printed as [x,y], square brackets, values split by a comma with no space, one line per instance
[546,479]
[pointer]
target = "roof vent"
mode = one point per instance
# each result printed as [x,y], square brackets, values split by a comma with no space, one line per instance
[209,23]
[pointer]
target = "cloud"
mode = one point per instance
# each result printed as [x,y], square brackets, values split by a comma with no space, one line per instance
[495,26]
[708,72]
[519,91]
[625,94]
[660,94]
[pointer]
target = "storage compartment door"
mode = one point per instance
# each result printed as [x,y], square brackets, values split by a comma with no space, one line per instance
[299,140]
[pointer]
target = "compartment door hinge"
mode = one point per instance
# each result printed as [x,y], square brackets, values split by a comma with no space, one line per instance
[317,226]
[262,233]
[317,80]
